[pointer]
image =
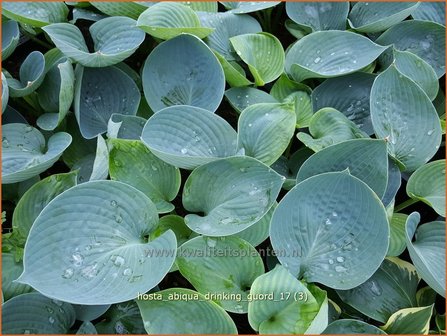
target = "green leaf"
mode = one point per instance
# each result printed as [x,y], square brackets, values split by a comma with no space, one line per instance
[290,307]
[373,17]
[11,271]
[114,38]
[87,328]
[427,251]
[121,318]
[328,127]
[430,11]
[319,16]
[166,20]
[99,93]
[183,71]
[402,114]
[349,95]
[31,75]
[427,184]
[333,229]
[33,313]
[284,87]
[263,53]
[89,313]
[240,191]
[187,136]
[409,321]
[88,245]
[425,296]
[366,159]
[129,9]
[242,97]
[25,153]
[265,130]
[5,95]
[350,326]
[243,7]
[423,38]
[10,38]
[123,126]
[174,223]
[397,235]
[225,277]
[131,162]
[167,315]
[330,54]
[35,14]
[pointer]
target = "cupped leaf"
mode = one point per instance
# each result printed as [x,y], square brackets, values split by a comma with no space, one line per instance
[333,230]
[33,313]
[167,315]
[114,38]
[319,16]
[328,127]
[402,114]
[241,191]
[428,185]
[243,7]
[131,162]
[36,14]
[121,318]
[423,38]
[427,251]
[200,261]
[89,313]
[11,270]
[263,53]
[330,54]
[131,9]
[32,73]
[5,95]
[10,38]
[166,20]
[183,71]
[351,326]
[25,153]
[99,93]
[265,130]
[409,321]
[397,235]
[123,126]
[88,245]
[373,17]
[430,11]
[242,97]
[348,94]
[187,137]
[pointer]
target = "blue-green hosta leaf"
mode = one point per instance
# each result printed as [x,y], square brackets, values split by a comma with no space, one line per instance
[290,308]
[131,9]
[241,191]
[11,271]
[351,326]
[328,127]
[200,261]
[226,26]
[121,318]
[430,11]
[25,153]
[349,95]
[85,14]
[166,20]
[242,97]
[187,137]
[373,17]
[122,126]
[99,93]
[35,14]
[427,251]
[394,182]
[37,198]
[263,53]
[319,16]
[334,229]
[183,71]
[5,95]
[243,7]
[428,185]
[202,6]
[87,328]
[88,245]
[423,38]
[403,114]
[397,235]
[366,159]
[56,95]
[391,288]
[89,313]
[10,38]
[114,38]
[131,162]
[409,321]
[330,54]
[167,315]
[265,130]
[32,73]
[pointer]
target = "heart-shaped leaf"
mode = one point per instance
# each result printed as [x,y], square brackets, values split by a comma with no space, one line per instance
[397,235]
[10,38]
[36,14]
[196,137]
[32,73]
[351,326]
[242,97]
[333,228]
[430,11]
[131,9]
[90,241]
[11,271]
[114,38]
[409,321]
[183,71]
[243,7]
[241,191]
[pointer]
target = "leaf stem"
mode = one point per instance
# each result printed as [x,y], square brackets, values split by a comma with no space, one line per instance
[405,204]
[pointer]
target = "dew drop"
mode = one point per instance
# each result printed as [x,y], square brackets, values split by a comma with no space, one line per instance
[51,320]
[375,288]
[430,132]
[211,242]
[154,168]
[330,261]
[328,221]
[118,219]
[127,271]
[184,151]
[243,169]
[90,271]
[117,260]
[68,273]
[340,259]
[340,269]
[77,259]
[317,60]
[113,203]
[334,214]
[249,125]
